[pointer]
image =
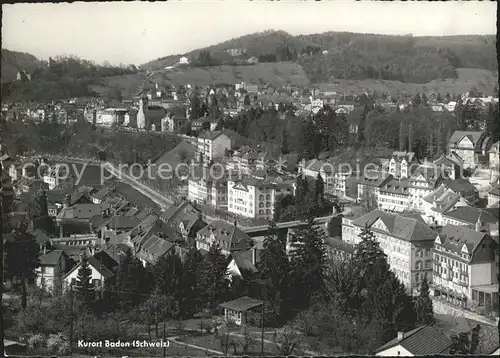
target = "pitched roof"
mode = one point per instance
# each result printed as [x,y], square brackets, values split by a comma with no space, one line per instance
[51,258]
[80,211]
[245,265]
[495,191]
[459,185]
[471,215]
[396,186]
[454,237]
[421,341]
[99,266]
[241,304]
[408,156]
[177,211]
[225,232]
[211,135]
[406,227]
[457,136]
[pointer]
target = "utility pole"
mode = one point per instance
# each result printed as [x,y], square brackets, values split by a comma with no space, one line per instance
[164,340]
[2,253]
[72,315]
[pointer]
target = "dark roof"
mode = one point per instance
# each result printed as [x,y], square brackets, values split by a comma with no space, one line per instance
[422,341]
[457,136]
[454,237]
[51,258]
[459,185]
[123,222]
[224,231]
[244,263]
[471,215]
[405,227]
[97,265]
[241,304]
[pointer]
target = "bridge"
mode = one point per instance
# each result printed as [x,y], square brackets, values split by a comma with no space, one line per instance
[263,230]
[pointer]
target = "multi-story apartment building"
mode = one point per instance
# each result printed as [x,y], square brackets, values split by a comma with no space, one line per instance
[406,240]
[469,145]
[208,191]
[314,167]
[55,175]
[440,201]
[213,145]
[243,160]
[230,238]
[255,198]
[423,181]
[394,196]
[371,183]
[494,156]
[401,163]
[342,184]
[466,267]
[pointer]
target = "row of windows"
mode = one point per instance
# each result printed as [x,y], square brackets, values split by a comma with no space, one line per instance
[426,264]
[268,204]
[453,274]
[241,208]
[440,258]
[421,253]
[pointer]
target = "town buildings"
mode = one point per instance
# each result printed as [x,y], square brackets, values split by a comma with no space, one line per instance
[469,146]
[229,237]
[421,341]
[406,240]
[212,145]
[255,198]
[53,265]
[465,267]
[314,167]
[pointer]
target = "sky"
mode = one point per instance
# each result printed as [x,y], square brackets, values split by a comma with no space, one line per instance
[138,32]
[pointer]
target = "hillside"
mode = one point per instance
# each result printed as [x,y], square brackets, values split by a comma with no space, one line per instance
[275,73]
[358,56]
[485,81]
[13,61]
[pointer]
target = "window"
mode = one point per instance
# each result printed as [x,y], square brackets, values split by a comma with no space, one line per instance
[268,197]
[261,205]
[261,197]
[268,211]
[417,277]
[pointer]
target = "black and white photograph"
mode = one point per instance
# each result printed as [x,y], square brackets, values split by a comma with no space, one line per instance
[210,178]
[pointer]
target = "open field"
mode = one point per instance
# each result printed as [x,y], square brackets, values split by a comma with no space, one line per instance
[483,80]
[276,73]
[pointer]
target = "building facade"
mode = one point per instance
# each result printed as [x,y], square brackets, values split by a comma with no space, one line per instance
[406,240]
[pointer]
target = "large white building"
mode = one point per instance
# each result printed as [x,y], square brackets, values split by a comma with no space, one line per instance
[55,175]
[110,116]
[212,145]
[255,198]
[406,240]
[466,267]
[208,191]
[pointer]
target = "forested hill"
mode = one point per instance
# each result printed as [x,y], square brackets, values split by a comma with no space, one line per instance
[13,61]
[355,56]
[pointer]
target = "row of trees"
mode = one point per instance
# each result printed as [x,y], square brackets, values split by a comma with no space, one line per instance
[82,139]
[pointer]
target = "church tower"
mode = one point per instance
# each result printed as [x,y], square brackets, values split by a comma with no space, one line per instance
[142,114]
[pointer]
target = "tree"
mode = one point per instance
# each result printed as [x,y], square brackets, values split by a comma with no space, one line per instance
[168,275]
[192,275]
[423,303]
[307,260]
[417,101]
[84,285]
[246,100]
[274,269]
[21,259]
[214,282]
[380,295]
[131,282]
[319,190]
[220,124]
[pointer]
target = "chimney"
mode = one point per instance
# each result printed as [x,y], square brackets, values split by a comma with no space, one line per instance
[401,336]
[235,223]
[254,256]
[44,249]
[61,231]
